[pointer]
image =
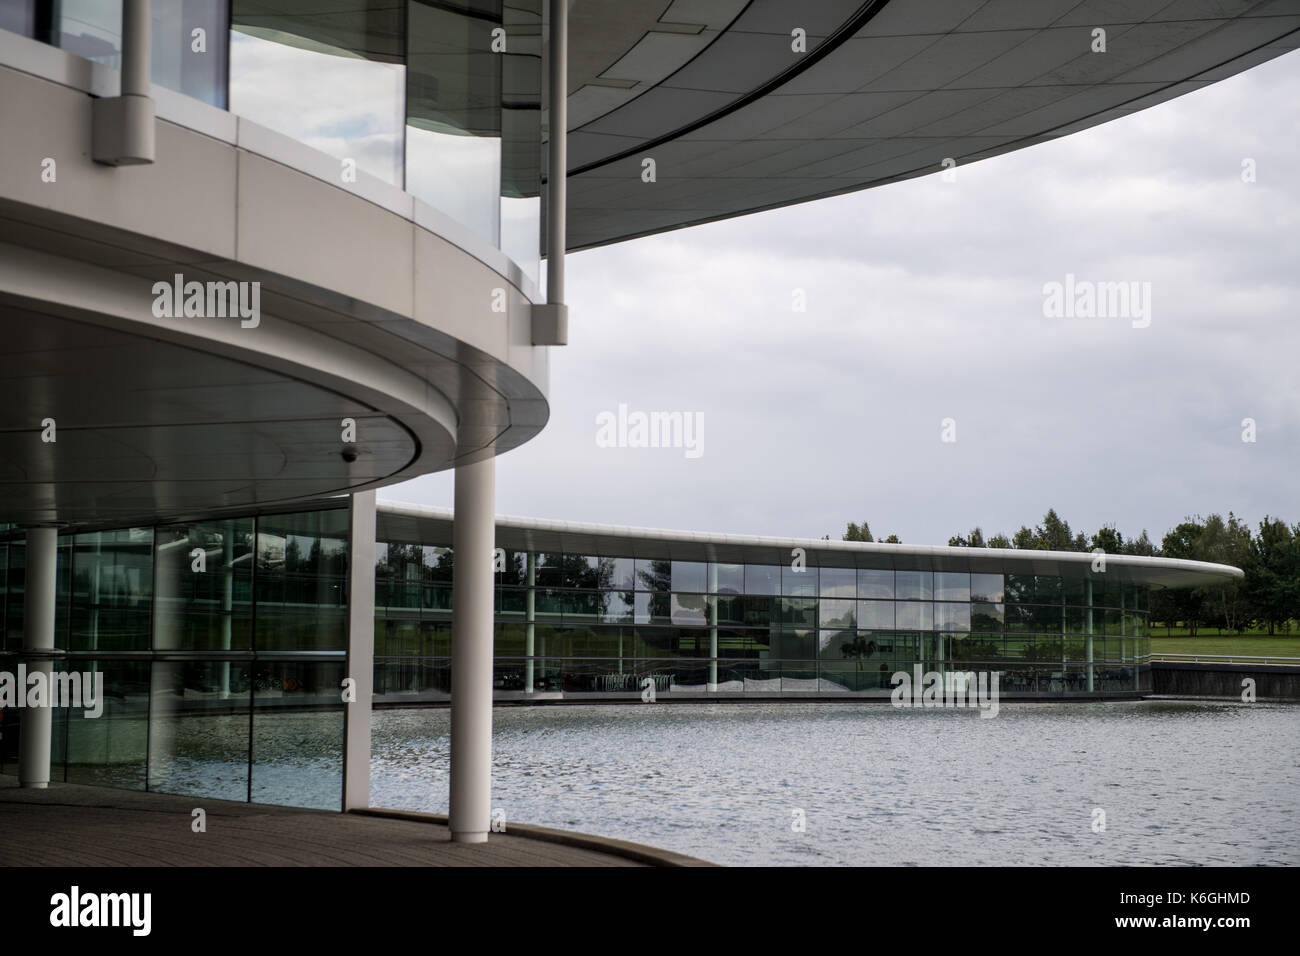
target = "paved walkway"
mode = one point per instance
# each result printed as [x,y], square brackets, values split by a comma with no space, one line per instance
[73,825]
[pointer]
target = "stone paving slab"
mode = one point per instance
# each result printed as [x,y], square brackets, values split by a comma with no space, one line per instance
[75,825]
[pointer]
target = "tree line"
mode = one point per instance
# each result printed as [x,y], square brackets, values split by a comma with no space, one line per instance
[1268,596]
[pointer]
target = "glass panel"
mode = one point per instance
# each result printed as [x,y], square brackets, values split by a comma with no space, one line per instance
[689,576]
[731,578]
[109,750]
[301,581]
[986,587]
[951,616]
[951,586]
[914,616]
[799,582]
[839,613]
[913,585]
[112,590]
[1020,589]
[622,573]
[18,16]
[838,582]
[298,734]
[796,645]
[453,113]
[689,609]
[653,575]
[521,134]
[799,611]
[876,615]
[204,604]
[1047,589]
[762,579]
[760,611]
[874,583]
[198,734]
[986,618]
[334,82]
[618,608]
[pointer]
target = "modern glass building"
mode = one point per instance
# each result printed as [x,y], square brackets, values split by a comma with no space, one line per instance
[260,258]
[224,644]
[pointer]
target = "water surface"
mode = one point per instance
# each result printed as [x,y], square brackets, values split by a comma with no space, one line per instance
[1179,783]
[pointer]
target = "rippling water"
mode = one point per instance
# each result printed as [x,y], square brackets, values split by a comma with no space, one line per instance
[1180,783]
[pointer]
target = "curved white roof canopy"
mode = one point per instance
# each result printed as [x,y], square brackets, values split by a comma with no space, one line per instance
[421,524]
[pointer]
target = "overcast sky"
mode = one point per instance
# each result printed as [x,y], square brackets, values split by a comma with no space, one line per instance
[925,301]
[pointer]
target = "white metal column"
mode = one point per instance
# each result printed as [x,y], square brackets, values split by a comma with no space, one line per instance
[122,132]
[1088,585]
[361,649]
[473,538]
[713,626]
[38,637]
[530,617]
[551,321]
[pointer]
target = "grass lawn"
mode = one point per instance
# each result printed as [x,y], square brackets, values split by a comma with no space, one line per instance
[1252,646]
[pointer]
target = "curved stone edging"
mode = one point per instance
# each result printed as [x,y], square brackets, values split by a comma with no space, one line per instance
[640,853]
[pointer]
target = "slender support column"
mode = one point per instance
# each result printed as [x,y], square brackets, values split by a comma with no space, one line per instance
[361,649]
[473,537]
[123,125]
[551,321]
[713,627]
[227,601]
[530,628]
[557,152]
[38,636]
[1088,588]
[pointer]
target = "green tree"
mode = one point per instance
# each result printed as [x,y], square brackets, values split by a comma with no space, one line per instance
[1108,539]
[1187,603]
[1273,589]
[1054,533]
[856,532]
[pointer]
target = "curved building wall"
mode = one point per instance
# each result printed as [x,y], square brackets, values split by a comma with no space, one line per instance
[441,100]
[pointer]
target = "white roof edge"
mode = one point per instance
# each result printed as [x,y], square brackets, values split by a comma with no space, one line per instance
[1133,561]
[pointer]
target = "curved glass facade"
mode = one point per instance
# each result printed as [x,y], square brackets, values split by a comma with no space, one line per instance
[588,624]
[442,99]
[222,682]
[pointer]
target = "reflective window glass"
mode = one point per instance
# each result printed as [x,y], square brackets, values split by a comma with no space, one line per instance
[731,578]
[875,583]
[951,616]
[913,585]
[838,582]
[689,576]
[986,587]
[799,582]
[914,616]
[623,574]
[653,575]
[837,612]
[334,81]
[762,579]
[876,615]
[951,586]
